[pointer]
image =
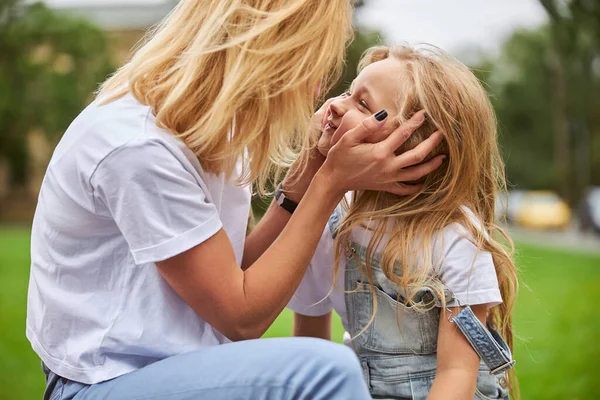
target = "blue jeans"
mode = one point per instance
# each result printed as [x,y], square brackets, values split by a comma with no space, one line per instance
[263,369]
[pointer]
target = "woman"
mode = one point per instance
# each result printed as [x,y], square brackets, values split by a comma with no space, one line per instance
[136,288]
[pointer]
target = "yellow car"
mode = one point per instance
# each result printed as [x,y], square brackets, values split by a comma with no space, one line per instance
[543,210]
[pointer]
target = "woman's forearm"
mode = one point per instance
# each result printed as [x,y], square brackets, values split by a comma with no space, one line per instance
[292,250]
[243,304]
[296,184]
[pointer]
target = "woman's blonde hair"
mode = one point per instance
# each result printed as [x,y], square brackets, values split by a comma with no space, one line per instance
[471,178]
[237,78]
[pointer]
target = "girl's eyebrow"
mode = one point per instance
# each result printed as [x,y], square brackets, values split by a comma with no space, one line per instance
[368,92]
[364,89]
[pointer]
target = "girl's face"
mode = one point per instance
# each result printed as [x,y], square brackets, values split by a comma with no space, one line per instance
[376,88]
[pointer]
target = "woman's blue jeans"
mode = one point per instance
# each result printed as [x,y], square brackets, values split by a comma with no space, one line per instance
[263,369]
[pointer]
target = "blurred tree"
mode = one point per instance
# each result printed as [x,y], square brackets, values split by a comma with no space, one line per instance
[544,86]
[50,65]
[574,55]
[519,85]
[363,39]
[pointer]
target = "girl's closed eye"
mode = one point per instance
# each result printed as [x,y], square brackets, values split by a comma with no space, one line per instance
[361,103]
[364,105]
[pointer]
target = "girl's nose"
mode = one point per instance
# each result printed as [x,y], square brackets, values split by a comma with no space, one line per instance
[337,107]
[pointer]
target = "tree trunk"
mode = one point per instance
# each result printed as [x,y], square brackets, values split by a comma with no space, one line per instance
[562,143]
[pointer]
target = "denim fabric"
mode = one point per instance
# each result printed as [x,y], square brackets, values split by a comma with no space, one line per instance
[397,350]
[263,369]
[487,343]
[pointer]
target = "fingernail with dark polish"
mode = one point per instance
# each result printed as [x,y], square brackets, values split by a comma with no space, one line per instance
[381,115]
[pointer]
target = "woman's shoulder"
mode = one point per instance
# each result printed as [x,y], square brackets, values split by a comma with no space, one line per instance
[104,129]
[123,121]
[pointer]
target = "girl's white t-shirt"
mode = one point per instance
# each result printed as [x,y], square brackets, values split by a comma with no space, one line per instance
[119,195]
[468,272]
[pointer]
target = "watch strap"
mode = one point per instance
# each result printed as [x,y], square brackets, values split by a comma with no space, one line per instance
[283,201]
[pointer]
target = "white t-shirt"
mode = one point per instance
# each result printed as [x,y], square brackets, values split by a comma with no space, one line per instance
[119,195]
[468,273]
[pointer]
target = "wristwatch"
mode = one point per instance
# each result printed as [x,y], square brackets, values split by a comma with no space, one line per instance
[284,202]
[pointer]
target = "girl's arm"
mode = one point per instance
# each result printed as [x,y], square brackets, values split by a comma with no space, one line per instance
[318,327]
[457,361]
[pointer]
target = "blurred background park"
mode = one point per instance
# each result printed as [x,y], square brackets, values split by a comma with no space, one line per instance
[539,59]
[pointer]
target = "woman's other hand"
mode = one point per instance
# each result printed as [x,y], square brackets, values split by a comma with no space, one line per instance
[354,164]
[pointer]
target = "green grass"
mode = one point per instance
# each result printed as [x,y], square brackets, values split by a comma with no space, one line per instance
[557,319]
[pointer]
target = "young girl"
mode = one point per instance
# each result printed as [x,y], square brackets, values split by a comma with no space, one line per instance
[417,278]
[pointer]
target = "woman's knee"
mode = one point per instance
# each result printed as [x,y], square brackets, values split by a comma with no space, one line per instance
[330,371]
[323,353]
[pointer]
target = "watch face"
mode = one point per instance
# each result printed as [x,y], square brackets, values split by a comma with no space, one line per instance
[279,199]
[283,201]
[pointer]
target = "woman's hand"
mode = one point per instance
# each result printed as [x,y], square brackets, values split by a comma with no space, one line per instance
[295,185]
[354,164]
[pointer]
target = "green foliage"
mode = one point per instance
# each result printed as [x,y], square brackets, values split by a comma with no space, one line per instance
[520,86]
[363,39]
[544,87]
[51,64]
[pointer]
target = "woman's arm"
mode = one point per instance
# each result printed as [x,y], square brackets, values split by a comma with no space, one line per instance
[272,223]
[457,361]
[295,185]
[318,327]
[243,304]
[297,181]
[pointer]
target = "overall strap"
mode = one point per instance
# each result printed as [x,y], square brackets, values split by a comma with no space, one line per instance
[334,221]
[490,346]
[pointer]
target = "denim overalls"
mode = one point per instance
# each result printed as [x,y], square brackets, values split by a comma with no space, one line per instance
[398,349]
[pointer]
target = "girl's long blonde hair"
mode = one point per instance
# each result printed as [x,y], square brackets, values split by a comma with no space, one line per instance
[471,177]
[237,78]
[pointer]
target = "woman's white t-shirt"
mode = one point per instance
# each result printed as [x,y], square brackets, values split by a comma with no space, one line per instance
[119,195]
[468,272]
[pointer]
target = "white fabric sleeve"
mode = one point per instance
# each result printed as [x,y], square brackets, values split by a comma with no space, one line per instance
[311,297]
[468,272]
[156,201]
